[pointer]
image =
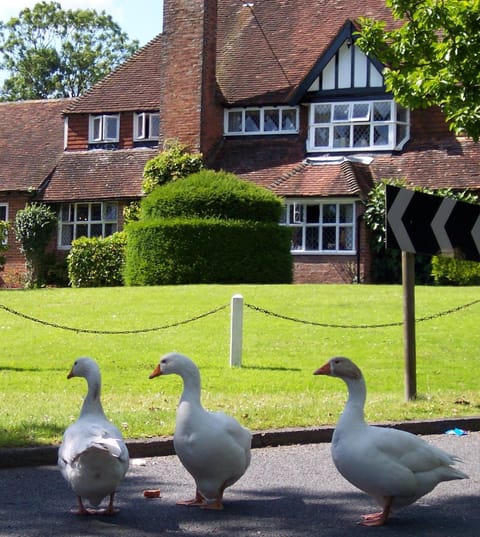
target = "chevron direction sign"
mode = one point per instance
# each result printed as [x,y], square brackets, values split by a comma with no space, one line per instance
[427,224]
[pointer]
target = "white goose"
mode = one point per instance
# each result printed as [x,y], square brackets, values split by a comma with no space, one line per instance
[394,467]
[213,447]
[93,457]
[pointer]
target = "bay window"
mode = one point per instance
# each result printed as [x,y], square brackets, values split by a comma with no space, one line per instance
[326,226]
[358,126]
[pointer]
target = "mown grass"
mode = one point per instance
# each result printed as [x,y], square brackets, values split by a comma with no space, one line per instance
[275,387]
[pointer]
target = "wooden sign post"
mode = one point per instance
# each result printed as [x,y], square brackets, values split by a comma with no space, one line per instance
[426,224]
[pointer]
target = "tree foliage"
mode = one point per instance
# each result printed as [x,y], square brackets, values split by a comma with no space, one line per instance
[50,52]
[34,227]
[174,162]
[432,57]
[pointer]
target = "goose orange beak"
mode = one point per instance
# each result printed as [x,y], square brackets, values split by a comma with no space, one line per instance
[324,370]
[156,372]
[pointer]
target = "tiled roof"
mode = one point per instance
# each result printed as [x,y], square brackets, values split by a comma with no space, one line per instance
[135,85]
[266,48]
[340,177]
[280,166]
[98,174]
[435,167]
[31,141]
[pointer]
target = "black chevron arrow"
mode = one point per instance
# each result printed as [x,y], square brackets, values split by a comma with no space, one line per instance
[424,223]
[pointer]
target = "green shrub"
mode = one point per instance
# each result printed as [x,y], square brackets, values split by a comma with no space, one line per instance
[97,262]
[34,227]
[451,271]
[210,194]
[185,251]
[173,163]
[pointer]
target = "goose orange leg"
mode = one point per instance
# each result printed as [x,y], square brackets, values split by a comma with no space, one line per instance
[198,500]
[377,519]
[216,505]
[82,511]
[110,510]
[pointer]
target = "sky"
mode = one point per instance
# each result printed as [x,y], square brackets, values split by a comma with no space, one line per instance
[140,19]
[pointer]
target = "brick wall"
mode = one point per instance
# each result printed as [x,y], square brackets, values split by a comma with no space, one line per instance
[188,110]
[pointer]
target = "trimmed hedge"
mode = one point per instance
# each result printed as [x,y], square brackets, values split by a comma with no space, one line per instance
[196,250]
[451,271]
[210,194]
[97,262]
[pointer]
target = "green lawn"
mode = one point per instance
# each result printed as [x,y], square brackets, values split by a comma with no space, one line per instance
[275,387]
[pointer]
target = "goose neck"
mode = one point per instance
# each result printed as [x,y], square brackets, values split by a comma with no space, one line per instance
[191,387]
[92,402]
[357,394]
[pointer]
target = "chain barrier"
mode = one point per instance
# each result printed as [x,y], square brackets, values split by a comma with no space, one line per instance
[250,306]
[382,325]
[111,332]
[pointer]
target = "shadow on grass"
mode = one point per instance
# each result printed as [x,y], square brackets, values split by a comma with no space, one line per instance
[18,369]
[30,434]
[266,368]
[21,369]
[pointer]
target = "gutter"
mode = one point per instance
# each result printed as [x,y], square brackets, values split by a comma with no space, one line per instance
[163,446]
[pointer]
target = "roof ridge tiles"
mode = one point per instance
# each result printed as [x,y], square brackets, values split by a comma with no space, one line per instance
[287,175]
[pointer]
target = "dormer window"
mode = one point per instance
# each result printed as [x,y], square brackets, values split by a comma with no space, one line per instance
[264,120]
[146,126]
[357,125]
[104,128]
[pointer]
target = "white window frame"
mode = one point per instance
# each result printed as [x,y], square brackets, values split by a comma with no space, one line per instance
[243,114]
[396,127]
[4,217]
[81,219]
[99,127]
[143,126]
[311,226]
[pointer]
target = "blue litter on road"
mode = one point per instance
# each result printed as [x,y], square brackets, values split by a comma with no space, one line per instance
[456,432]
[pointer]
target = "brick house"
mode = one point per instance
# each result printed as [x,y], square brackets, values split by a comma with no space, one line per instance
[276,92]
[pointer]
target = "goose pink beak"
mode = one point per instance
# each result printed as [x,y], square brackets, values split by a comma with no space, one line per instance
[324,370]
[156,372]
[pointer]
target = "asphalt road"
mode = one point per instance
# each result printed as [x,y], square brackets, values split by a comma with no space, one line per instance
[288,491]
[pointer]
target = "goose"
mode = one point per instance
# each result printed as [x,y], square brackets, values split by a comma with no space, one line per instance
[92,457]
[395,467]
[212,446]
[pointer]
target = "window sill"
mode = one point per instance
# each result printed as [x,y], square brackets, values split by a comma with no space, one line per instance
[324,252]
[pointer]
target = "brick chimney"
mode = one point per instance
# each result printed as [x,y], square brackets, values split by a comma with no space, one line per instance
[188,110]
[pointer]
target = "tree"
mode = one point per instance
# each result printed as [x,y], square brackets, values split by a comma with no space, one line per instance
[173,163]
[34,227]
[432,57]
[52,53]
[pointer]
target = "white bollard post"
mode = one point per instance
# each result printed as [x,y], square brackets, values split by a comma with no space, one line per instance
[236,331]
